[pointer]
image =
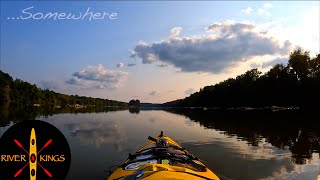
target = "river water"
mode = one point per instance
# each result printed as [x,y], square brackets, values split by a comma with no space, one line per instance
[233,144]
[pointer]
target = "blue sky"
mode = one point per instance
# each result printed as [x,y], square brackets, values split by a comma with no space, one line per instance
[153,51]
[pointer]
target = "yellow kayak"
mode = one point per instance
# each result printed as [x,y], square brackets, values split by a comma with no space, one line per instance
[162,158]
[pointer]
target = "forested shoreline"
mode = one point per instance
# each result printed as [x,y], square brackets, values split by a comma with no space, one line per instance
[296,84]
[22,93]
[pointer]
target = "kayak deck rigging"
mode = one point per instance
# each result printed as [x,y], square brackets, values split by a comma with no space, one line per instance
[162,158]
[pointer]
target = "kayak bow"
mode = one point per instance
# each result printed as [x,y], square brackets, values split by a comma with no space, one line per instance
[162,158]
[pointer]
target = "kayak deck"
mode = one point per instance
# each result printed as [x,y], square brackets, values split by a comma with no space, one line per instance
[162,158]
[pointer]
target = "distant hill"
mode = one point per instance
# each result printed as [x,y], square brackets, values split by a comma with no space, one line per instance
[23,93]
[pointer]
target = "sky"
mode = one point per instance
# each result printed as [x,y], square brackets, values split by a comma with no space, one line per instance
[152,51]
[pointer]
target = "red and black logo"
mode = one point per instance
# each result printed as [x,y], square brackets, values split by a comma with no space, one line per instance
[33,150]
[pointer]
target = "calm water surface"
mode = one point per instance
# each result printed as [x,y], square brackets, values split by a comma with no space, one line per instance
[234,145]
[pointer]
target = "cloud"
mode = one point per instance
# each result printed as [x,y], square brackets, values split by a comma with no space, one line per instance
[71,86]
[189,91]
[247,10]
[262,11]
[75,81]
[225,45]
[51,85]
[274,62]
[143,51]
[120,65]
[267,6]
[98,77]
[270,63]
[174,32]
[154,93]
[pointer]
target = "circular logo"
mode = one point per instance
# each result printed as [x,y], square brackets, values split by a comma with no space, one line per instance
[33,150]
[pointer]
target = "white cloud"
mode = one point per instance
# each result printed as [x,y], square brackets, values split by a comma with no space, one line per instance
[267,6]
[154,93]
[305,32]
[174,32]
[226,45]
[247,10]
[190,91]
[98,77]
[262,11]
[120,65]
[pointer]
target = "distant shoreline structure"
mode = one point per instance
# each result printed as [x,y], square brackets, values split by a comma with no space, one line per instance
[30,14]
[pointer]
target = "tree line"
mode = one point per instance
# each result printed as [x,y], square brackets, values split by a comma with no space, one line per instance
[22,93]
[296,84]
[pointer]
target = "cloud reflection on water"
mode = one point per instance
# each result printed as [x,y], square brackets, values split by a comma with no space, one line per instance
[86,129]
[97,133]
[254,150]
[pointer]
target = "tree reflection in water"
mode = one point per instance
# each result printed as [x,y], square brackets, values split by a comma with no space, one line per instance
[298,131]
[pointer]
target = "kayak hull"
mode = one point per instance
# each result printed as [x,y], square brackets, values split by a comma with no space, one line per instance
[162,170]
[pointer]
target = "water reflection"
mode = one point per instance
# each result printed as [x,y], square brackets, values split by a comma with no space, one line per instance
[234,144]
[95,130]
[20,113]
[232,162]
[97,133]
[134,110]
[298,131]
